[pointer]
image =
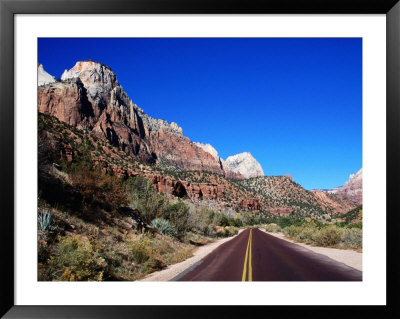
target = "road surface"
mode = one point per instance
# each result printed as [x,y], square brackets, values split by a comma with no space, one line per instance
[254,255]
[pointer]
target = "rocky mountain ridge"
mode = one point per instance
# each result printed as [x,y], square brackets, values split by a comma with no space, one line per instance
[90,98]
[352,189]
[280,195]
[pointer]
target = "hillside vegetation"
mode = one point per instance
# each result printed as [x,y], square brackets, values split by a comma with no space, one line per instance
[101,218]
[282,191]
[93,225]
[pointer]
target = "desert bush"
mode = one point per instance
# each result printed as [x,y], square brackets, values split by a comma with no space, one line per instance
[75,260]
[142,250]
[352,238]
[223,220]
[210,231]
[292,231]
[203,221]
[143,197]
[163,226]
[236,222]
[99,188]
[307,233]
[328,236]
[178,215]
[228,232]
[199,220]
[273,228]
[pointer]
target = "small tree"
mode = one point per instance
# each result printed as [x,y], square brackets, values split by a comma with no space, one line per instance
[178,214]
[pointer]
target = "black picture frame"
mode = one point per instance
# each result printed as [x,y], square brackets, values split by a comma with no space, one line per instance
[8,8]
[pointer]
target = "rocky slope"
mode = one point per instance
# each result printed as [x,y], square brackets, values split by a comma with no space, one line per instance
[280,195]
[90,98]
[209,149]
[244,164]
[72,145]
[352,189]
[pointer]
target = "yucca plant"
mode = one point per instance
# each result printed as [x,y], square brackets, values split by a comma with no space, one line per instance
[44,220]
[163,226]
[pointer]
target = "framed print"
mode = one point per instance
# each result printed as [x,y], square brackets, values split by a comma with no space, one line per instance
[156,155]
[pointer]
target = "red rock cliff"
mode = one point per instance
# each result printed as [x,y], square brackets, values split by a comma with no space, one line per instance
[89,97]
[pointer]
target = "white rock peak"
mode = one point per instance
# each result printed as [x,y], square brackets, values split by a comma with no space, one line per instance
[98,79]
[44,77]
[245,164]
[209,149]
[352,188]
[354,177]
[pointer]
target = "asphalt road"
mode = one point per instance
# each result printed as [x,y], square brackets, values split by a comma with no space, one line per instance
[254,255]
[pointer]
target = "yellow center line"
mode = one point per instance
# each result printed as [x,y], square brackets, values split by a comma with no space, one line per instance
[248,255]
[250,267]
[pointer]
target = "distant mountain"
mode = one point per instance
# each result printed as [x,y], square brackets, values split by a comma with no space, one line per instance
[352,189]
[44,77]
[245,164]
[280,195]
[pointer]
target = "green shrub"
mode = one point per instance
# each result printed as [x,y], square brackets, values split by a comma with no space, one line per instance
[199,220]
[289,221]
[163,226]
[273,228]
[75,260]
[236,222]
[144,197]
[178,215]
[229,231]
[142,250]
[352,238]
[292,231]
[328,236]
[223,220]
[210,231]
[307,232]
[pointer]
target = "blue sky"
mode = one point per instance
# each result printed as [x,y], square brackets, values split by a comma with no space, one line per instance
[294,104]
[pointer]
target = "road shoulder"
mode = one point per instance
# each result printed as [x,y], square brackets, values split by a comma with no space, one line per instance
[346,256]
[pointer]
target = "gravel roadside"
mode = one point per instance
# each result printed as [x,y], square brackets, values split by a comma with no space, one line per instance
[346,256]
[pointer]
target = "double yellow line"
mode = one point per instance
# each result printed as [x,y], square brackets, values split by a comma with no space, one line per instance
[248,257]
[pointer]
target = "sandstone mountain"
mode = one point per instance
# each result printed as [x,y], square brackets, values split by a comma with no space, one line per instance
[44,77]
[244,164]
[89,97]
[87,114]
[71,145]
[352,189]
